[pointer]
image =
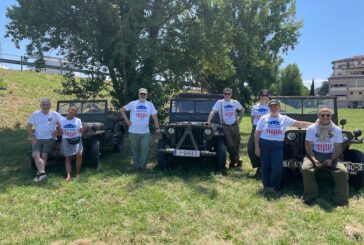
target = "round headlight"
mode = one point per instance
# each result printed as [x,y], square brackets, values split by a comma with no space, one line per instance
[291,136]
[208,131]
[171,130]
[345,137]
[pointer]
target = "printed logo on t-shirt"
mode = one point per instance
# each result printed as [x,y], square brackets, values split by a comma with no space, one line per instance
[274,128]
[229,111]
[70,130]
[50,118]
[262,110]
[141,112]
[326,146]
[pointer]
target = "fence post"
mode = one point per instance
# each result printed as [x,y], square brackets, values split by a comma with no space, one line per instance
[21,63]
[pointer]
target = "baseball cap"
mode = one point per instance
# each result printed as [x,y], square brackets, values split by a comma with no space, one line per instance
[274,102]
[143,91]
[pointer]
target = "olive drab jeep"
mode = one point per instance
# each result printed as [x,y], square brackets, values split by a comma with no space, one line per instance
[305,108]
[103,128]
[187,136]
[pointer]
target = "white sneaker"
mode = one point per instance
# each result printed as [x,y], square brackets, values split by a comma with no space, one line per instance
[36,179]
[42,177]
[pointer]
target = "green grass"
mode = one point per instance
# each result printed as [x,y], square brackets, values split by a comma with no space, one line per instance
[189,203]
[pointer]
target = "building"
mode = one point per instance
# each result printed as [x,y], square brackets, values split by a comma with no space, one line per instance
[347,82]
[57,65]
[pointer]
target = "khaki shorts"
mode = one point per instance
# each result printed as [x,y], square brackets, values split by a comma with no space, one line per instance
[44,146]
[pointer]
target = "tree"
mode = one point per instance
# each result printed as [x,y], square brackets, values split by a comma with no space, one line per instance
[291,81]
[324,89]
[161,44]
[312,90]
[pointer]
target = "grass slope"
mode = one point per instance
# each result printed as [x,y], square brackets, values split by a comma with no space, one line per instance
[188,204]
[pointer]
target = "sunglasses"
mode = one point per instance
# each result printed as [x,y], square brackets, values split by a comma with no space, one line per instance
[227,93]
[325,115]
[143,94]
[264,95]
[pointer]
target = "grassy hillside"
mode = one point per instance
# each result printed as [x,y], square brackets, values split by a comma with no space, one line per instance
[188,204]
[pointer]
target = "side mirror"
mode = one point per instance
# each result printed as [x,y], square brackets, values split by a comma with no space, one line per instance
[342,122]
[357,133]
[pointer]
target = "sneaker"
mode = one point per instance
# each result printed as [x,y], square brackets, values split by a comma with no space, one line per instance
[309,201]
[239,163]
[36,179]
[231,164]
[257,173]
[42,177]
[341,204]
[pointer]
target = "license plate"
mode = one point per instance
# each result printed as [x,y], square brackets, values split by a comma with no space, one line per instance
[186,153]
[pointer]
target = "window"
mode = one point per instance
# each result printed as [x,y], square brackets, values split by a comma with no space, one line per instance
[360,92]
[351,93]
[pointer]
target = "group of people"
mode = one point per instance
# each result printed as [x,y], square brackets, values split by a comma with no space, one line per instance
[323,140]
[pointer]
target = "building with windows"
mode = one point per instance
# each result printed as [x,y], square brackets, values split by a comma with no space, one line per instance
[347,82]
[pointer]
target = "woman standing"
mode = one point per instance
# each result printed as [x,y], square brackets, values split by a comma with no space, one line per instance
[269,142]
[257,111]
[71,144]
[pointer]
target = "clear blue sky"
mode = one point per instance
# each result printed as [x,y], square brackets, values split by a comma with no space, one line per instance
[333,29]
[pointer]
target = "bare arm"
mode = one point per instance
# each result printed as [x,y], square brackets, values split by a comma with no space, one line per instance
[310,155]
[241,114]
[123,114]
[156,123]
[211,115]
[302,124]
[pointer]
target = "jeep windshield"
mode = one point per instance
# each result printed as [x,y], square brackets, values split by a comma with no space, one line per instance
[84,107]
[305,107]
[192,110]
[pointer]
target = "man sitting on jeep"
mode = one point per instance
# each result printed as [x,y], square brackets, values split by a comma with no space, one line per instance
[323,147]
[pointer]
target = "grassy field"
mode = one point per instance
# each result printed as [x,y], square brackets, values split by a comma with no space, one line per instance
[188,204]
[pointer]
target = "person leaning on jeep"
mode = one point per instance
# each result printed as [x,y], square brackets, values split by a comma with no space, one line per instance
[323,147]
[230,123]
[45,122]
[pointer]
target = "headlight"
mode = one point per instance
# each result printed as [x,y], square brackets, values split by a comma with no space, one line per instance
[208,131]
[171,130]
[291,136]
[345,137]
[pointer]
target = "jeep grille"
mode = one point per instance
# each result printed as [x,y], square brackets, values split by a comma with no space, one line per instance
[197,132]
[295,149]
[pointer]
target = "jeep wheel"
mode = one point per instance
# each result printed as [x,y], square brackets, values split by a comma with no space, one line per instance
[220,154]
[94,153]
[356,156]
[119,146]
[161,156]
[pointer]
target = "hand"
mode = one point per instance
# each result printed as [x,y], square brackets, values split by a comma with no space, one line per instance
[239,121]
[128,123]
[206,123]
[316,163]
[257,151]
[34,142]
[327,163]
[157,130]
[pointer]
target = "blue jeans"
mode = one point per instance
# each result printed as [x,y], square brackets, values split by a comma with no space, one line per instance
[271,153]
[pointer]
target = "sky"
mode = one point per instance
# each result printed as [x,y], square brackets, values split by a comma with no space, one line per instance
[332,30]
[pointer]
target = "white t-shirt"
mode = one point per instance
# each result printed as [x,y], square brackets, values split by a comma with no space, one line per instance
[45,124]
[258,111]
[140,113]
[229,110]
[70,128]
[327,146]
[274,128]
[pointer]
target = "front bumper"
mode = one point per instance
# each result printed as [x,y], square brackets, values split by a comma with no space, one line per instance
[172,151]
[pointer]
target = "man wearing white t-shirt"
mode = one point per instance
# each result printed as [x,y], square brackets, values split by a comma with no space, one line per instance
[45,122]
[227,109]
[323,147]
[140,112]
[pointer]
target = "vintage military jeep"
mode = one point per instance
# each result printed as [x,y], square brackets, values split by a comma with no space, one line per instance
[186,135]
[104,128]
[306,108]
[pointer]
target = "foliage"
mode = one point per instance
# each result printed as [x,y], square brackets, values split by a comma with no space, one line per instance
[312,89]
[162,44]
[3,85]
[291,82]
[324,89]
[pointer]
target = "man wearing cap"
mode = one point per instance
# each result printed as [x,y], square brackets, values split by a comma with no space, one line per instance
[45,122]
[323,147]
[269,142]
[227,109]
[139,134]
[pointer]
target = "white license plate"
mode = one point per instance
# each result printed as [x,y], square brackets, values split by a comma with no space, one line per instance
[186,153]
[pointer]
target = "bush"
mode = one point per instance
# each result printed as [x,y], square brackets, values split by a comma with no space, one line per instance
[2,84]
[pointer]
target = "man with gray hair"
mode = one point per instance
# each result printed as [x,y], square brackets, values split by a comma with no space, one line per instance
[227,109]
[324,147]
[44,138]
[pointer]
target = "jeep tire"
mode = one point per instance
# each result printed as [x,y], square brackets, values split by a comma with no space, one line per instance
[220,154]
[161,156]
[356,156]
[94,153]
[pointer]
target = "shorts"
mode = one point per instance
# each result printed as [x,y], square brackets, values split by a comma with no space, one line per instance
[44,145]
[68,150]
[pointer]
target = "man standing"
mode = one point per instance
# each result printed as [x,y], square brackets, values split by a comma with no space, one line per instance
[140,112]
[227,109]
[323,147]
[45,122]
